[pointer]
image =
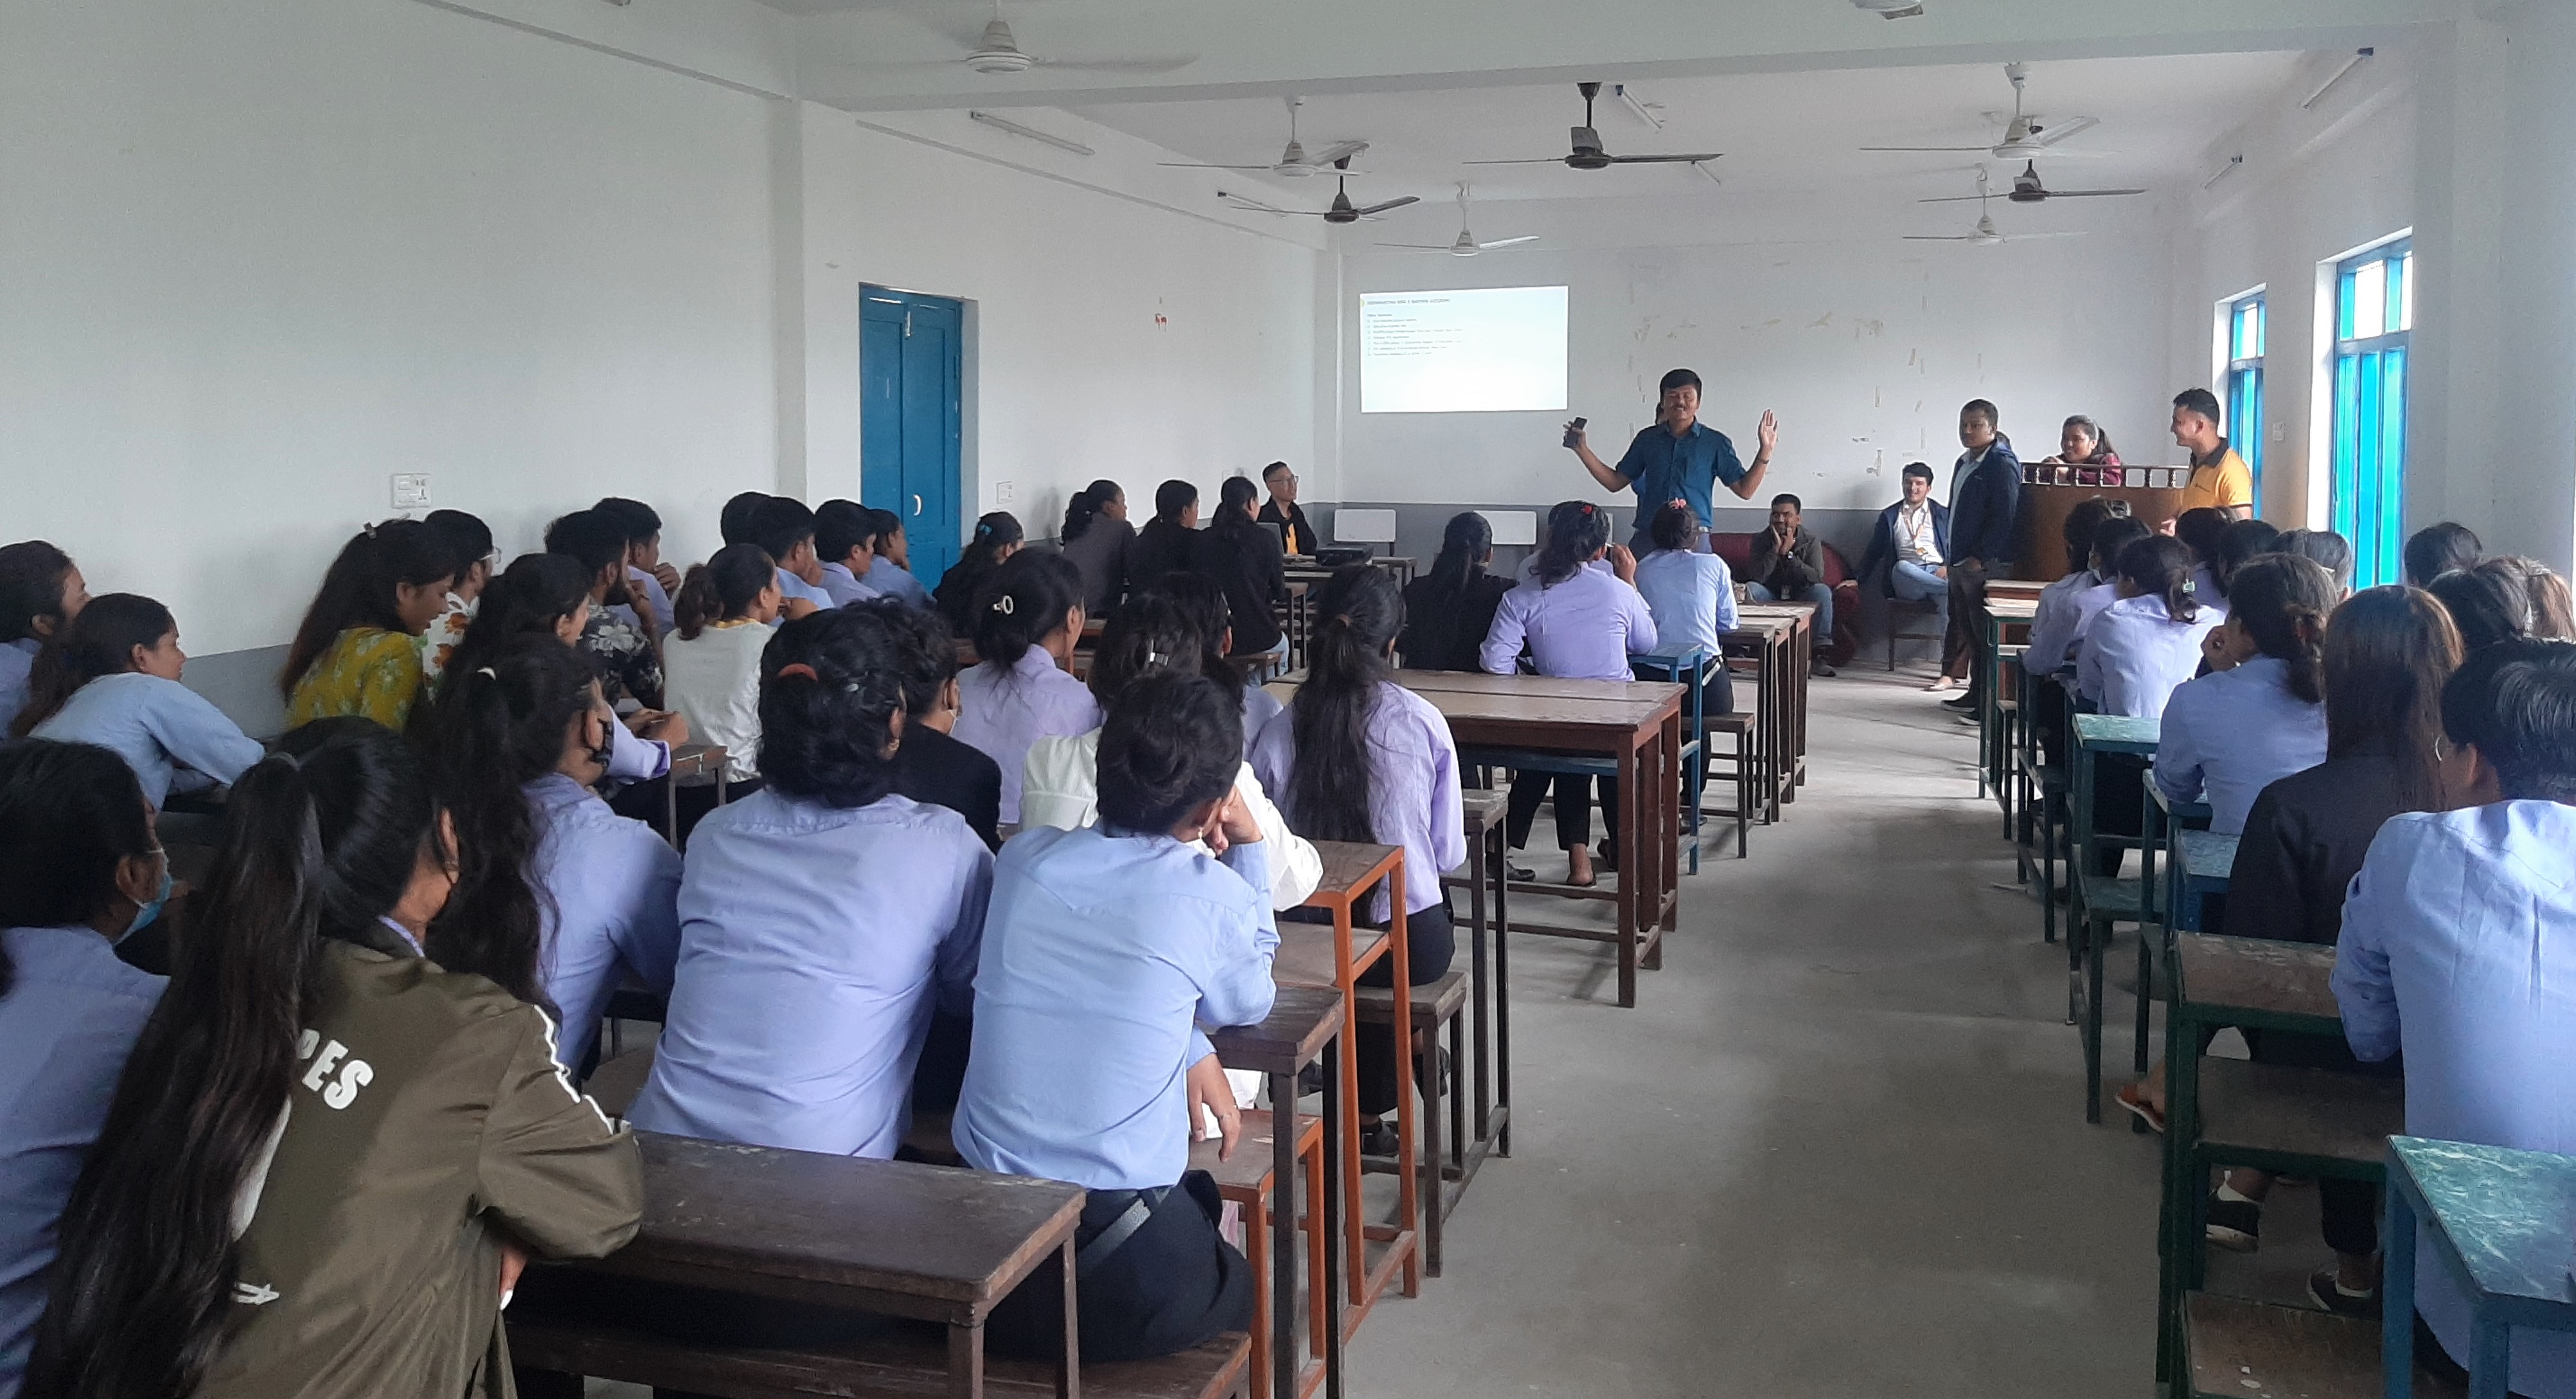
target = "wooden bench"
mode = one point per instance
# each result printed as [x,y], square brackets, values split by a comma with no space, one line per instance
[1250,1179]
[552,1355]
[1304,1027]
[2253,1350]
[1446,1158]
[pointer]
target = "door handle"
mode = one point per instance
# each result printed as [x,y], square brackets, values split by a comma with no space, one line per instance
[916,505]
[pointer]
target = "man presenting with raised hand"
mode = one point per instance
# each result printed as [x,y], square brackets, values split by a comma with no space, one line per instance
[1678,458]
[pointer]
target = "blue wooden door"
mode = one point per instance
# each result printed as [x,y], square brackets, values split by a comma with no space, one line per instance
[911,434]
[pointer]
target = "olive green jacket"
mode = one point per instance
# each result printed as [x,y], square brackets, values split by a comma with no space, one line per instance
[428,1121]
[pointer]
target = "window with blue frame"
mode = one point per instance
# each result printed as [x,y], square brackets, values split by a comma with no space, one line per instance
[2245,385]
[2374,314]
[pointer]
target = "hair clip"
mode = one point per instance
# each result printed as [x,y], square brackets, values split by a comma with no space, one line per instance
[487,670]
[1156,658]
[795,669]
[1004,605]
[369,529]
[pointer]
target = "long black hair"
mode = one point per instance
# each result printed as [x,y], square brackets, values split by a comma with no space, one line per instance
[1148,633]
[1234,506]
[1023,603]
[722,588]
[528,598]
[2331,551]
[1202,601]
[70,813]
[495,729]
[1171,744]
[964,581]
[2200,529]
[320,840]
[1085,507]
[831,683]
[2488,605]
[32,575]
[358,591]
[100,641]
[2242,540]
[2389,650]
[1173,497]
[1673,526]
[1465,543]
[2437,549]
[1576,530]
[2160,565]
[1328,789]
[2282,601]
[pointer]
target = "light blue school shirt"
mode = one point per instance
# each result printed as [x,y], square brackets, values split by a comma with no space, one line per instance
[1584,628]
[158,727]
[794,587]
[1691,596]
[843,587]
[1105,959]
[891,580]
[17,658]
[66,1025]
[649,588]
[2232,733]
[2053,624]
[2459,945]
[1001,710]
[2204,590]
[1259,708]
[2135,654]
[1413,786]
[814,942]
[608,900]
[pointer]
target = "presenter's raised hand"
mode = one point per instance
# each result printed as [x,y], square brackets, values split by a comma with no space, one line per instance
[1767,436]
[1576,439]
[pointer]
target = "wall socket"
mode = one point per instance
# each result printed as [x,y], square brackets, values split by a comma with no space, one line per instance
[1006,492]
[411,492]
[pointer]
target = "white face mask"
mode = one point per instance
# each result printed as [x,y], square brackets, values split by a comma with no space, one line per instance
[144,914]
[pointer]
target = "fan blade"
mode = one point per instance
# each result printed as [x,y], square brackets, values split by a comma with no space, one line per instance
[1549,160]
[1420,247]
[1127,65]
[1343,151]
[1255,205]
[2089,193]
[1940,238]
[1953,199]
[2054,134]
[1368,209]
[2021,237]
[1194,165]
[1960,150]
[1666,159]
[1507,242]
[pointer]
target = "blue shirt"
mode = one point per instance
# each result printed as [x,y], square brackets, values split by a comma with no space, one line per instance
[2135,653]
[69,1019]
[608,897]
[892,580]
[794,587]
[844,587]
[1662,467]
[1002,710]
[2459,944]
[2052,626]
[1584,628]
[17,658]
[1104,958]
[158,727]
[2232,733]
[1413,795]
[814,942]
[1691,596]
[1259,708]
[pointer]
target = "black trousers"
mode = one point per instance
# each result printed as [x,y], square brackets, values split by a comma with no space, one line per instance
[1573,807]
[1430,941]
[1174,1284]
[1965,638]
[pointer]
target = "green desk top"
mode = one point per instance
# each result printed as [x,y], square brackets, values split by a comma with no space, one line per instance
[2179,811]
[2117,733]
[2509,1215]
[2208,859]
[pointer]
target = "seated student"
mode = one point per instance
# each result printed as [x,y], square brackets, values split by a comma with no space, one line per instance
[712,662]
[79,869]
[2330,550]
[516,747]
[241,1229]
[469,546]
[2259,715]
[1580,623]
[845,539]
[1156,633]
[2438,549]
[784,529]
[1448,610]
[2061,612]
[549,595]
[735,524]
[1244,557]
[1788,565]
[997,536]
[1169,541]
[1202,602]
[891,571]
[1298,538]
[1029,624]
[1691,596]
[1358,757]
[2082,442]
[2148,641]
[112,678]
[821,918]
[2203,530]
[650,583]
[1911,541]
[2239,542]
[357,651]
[2487,604]
[1109,952]
[932,767]
[2459,945]
[40,593]
[1096,536]
[630,664]
[2553,613]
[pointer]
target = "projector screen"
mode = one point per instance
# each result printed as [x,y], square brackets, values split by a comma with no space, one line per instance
[1491,350]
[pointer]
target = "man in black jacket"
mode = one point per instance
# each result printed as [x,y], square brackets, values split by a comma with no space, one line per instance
[1788,565]
[1282,508]
[1985,496]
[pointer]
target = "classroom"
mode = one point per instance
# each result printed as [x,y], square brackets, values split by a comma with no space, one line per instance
[757,698]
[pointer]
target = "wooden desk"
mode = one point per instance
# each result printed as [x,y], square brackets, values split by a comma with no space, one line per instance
[1304,1026]
[1796,672]
[2501,1220]
[932,1243]
[1998,617]
[2096,901]
[2203,862]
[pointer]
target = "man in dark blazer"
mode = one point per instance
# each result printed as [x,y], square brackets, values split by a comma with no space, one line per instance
[1914,533]
[1985,497]
[1282,508]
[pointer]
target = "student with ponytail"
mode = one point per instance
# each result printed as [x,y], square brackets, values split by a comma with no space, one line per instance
[997,537]
[558,899]
[358,649]
[2259,715]
[1202,602]
[1579,623]
[1448,610]
[821,918]
[1096,536]
[112,678]
[1692,598]
[1243,556]
[1027,620]
[79,869]
[1169,542]
[711,664]
[2148,640]
[1358,757]
[281,1201]
[41,592]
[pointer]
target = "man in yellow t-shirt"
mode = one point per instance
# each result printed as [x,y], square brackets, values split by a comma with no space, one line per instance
[2219,478]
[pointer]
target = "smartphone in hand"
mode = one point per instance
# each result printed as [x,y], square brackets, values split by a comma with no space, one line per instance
[1574,432]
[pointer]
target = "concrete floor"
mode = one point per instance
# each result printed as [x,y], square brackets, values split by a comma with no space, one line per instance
[1838,1149]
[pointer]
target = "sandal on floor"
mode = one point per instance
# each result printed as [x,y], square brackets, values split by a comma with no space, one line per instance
[2135,1100]
[1939,684]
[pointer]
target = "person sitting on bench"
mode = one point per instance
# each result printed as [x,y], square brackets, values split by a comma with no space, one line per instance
[1788,565]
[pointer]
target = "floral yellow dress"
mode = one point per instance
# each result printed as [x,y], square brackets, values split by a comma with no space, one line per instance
[369,672]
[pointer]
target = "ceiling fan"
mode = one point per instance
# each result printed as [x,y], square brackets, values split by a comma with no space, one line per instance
[1986,234]
[1588,154]
[2025,138]
[2028,190]
[1341,210]
[1295,161]
[998,53]
[1466,244]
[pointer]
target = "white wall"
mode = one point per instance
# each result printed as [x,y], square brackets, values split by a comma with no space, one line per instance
[254,257]
[1865,349]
